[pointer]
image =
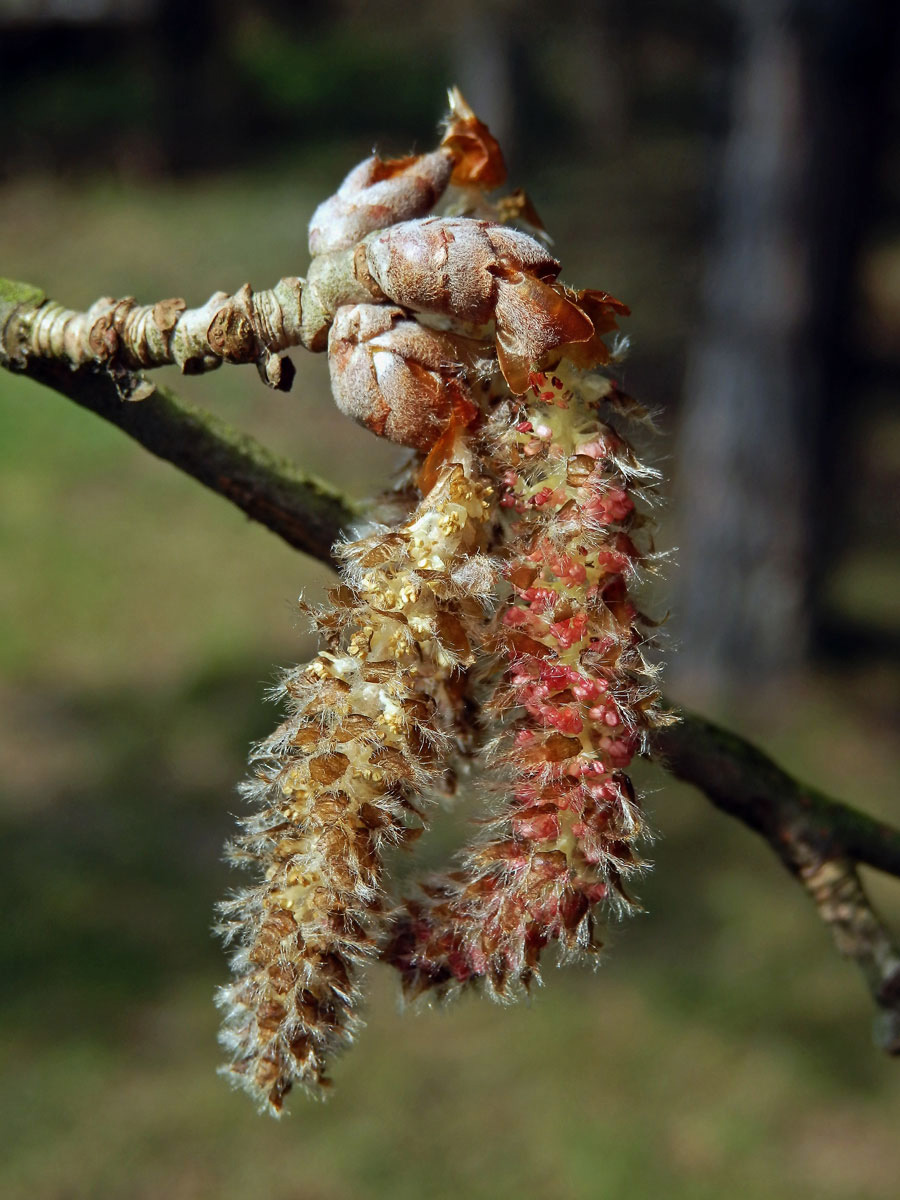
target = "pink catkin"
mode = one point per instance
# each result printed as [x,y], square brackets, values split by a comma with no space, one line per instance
[573,697]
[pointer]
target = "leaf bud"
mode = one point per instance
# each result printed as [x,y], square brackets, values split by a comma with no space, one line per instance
[379,192]
[398,378]
[475,272]
[479,159]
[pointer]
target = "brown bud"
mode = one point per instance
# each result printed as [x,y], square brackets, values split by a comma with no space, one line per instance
[103,340]
[478,157]
[376,193]
[447,265]
[602,309]
[477,271]
[231,335]
[166,314]
[399,379]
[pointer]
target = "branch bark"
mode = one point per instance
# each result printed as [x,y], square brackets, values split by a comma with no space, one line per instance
[820,840]
[248,327]
[303,511]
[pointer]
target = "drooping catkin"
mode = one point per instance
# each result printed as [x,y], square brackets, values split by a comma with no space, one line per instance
[368,730]
[572,697]
[516,566]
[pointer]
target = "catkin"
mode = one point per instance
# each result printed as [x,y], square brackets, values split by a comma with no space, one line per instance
[572,698]
[369,726]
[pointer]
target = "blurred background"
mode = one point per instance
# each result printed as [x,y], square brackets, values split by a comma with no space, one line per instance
[731,170]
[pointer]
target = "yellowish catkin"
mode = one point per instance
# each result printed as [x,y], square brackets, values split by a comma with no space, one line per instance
[369,726]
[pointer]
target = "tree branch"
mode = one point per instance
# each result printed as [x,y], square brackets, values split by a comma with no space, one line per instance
[248,327]
[820,840]
[746,784]
[303,511]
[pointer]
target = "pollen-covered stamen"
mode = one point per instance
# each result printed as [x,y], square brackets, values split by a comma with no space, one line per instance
[369,727]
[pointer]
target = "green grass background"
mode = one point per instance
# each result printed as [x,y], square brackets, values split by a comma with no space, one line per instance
[722,1048]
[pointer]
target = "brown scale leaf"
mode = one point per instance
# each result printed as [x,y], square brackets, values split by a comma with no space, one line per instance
[279,924]
[331,691]
[384,550]
[478,158]
[306,737]
[393,763]
[523,575]
[520,644]
[452,634]
[379,670]
[579,468]
[328,768]
[282,976]
[343,596]
[518,208]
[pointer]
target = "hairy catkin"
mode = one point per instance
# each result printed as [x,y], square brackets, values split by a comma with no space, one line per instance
[369,726]
[572,697]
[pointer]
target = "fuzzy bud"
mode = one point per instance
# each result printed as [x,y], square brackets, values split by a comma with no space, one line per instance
[476,272]
[573,698]
[479,159]
[376,193]
[448,265]
[399,379]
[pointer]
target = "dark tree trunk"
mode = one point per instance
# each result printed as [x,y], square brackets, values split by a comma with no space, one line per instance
[483,66]
[766,374]
[595,86]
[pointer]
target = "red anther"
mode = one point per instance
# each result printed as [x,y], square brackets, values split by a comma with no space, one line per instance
[586,690]
[515,616]
[570,631]
[566,720]
[557,675]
